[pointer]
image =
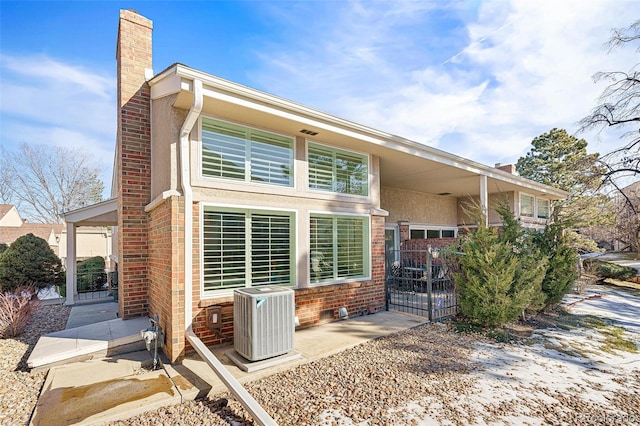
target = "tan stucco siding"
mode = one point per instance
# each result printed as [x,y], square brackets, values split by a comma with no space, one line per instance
[299,195]
[468,203]
[417,207]
[165,145]
[90,242]
[268,200]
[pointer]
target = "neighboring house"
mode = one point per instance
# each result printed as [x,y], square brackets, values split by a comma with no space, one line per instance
[91,241]
[218,186]
[12,227]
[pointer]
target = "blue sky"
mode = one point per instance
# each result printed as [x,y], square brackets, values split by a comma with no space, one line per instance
[476,78]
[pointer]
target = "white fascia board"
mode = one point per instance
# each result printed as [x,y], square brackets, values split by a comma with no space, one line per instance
[168,85]
[94,210]
[227,91]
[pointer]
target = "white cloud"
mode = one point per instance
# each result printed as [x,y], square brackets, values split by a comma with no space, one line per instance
[44,68]
[49,102]
[482,86]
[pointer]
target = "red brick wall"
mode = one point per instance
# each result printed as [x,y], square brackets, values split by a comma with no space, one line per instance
[166,272]
[416,250]
[133,161]
[313,305]
[422,244]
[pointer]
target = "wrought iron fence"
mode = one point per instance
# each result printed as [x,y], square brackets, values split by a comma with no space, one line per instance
[92,284]
[420,282]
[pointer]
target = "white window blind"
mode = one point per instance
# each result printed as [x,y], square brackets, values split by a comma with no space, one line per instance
[270,249]
[351,247]
[543,208]
[246,248]
[339,247]
[236,152]
[526,205]
[224,250]
[335,170]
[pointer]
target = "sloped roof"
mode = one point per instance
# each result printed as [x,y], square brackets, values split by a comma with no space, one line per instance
[43,230]
[4,209]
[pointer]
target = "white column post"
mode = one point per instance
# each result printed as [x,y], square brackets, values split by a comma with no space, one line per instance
[71,263]
[484,199]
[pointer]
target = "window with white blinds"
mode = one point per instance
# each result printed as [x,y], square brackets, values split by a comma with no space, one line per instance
[543,208]
[335,170]
[241,153]
[244,248]
[527,205]
[339,247]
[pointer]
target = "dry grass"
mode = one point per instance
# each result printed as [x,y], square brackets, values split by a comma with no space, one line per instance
[16,309]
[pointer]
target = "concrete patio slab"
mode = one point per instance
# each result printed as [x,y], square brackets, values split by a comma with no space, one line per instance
[103,390]
[90,313]
[96,391]
[88,342]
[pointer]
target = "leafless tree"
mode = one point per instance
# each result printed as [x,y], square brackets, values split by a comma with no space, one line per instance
[619,108]
[44,182]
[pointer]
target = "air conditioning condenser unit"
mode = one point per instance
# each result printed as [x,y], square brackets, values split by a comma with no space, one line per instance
[263,321]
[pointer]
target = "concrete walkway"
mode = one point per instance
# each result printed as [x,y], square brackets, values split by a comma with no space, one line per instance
[91,313]
[111,387]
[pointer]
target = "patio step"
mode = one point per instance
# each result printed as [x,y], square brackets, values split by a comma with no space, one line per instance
[98,340]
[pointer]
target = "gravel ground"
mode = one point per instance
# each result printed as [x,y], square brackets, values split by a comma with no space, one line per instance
[19,388]
[432,375]
[428,375]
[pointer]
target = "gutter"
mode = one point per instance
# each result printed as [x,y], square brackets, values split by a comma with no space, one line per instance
[260,416]
[252,98]
[185,176]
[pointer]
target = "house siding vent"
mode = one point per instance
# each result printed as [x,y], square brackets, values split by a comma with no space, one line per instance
[308,132]
[263,321]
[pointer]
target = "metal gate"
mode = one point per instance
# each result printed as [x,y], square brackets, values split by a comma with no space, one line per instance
[420,282]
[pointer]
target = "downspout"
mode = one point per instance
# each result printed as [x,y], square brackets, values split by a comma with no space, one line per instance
[260,416]
[185,178]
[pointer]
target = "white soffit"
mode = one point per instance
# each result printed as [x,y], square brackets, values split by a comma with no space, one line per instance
[177,79]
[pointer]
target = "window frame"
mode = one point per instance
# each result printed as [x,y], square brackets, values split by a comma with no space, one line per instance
[366,182]
[366,249]
[533,205]
[430,228]
[246,211]
[249,161]
[548,208]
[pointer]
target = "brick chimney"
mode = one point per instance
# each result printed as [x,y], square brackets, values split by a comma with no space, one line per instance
[509,168]
[133,161]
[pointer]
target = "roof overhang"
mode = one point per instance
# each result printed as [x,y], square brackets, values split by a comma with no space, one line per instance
[404,164]
[100,214]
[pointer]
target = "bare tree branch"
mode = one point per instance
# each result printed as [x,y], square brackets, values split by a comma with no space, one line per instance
[619,108]
[46,182]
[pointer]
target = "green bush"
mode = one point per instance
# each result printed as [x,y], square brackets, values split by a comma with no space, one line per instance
[90,273]
[562,270]
[501,272]
[484,285]
[617,272]
[28,261]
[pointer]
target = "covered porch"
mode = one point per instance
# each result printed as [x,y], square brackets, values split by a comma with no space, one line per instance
[104,214]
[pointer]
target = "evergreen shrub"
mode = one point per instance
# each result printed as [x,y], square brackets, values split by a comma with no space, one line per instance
[28,261]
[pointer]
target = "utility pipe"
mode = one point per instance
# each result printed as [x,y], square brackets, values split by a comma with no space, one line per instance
[185,179]
[258,413]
